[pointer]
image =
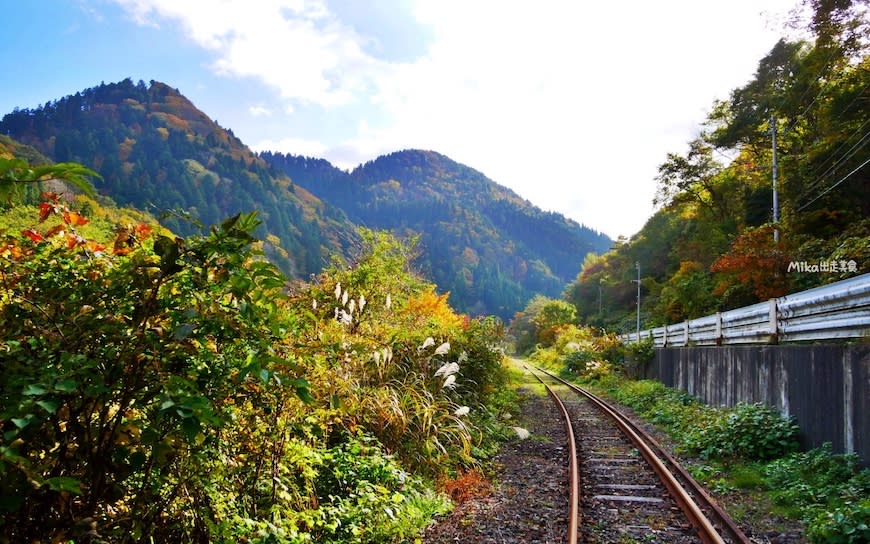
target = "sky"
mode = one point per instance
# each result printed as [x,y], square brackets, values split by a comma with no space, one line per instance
[571,104]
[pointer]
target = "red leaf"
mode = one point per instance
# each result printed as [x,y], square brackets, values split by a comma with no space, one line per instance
[45,209]
[73,240]
[33,235]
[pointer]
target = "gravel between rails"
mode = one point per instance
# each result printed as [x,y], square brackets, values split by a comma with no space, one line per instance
[528,503]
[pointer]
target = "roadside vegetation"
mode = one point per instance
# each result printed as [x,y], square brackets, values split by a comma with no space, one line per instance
[166,389]
[748,449]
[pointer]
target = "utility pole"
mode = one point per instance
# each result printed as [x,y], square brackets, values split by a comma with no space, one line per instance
[775,194]
[637,281]
[599,296]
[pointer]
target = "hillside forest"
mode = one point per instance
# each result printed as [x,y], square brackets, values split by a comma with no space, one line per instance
[154,150]
[710,244]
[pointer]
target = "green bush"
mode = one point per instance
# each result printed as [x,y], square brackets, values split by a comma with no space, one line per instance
[848,524]
[829,491]
[748,431]
[643,351]
[365,497]
[817,479]
[576,361]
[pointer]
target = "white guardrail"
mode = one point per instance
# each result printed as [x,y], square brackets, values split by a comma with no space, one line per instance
[833,311]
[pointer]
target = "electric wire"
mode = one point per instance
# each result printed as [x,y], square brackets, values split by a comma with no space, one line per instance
[828,190]
[835,166]
[841,146]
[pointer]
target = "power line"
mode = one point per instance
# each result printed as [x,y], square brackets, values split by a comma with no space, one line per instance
[841,146]
[857,96]
[848,155]
[826,191]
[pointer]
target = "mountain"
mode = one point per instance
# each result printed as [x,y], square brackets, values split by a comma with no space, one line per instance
[155,150]
[490,248]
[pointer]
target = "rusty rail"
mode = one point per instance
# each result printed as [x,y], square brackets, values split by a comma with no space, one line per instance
[653,453]
[574,476]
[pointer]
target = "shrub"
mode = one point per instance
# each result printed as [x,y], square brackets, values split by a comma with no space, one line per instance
[848,524]
[576,361]
[642,351]
[154,391]
[748,431]
[816,478]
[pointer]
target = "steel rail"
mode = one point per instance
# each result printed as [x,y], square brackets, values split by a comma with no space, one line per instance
[573,471]
[649,446]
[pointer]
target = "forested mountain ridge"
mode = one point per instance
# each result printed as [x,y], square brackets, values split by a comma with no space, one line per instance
[155,149]
[492,249]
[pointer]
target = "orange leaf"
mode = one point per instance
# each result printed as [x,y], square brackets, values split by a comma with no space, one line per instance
[121,250]
[55,230]
[48,195]
[73,240]
[95,247]
[33,235]
[74,219]
[11,250]
[143,231]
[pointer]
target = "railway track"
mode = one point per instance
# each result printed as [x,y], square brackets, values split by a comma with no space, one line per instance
[624,485]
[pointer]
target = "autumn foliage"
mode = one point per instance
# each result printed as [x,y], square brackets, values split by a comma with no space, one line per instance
[755,262]
[169,389]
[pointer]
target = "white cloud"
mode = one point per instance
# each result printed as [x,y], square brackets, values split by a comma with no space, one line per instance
[259,111]
[294,146]
[295,46]
[573,105]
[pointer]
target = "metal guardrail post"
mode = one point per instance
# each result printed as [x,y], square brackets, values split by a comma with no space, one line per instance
[773,323]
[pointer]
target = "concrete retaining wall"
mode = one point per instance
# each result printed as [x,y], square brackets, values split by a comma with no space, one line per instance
[825,388]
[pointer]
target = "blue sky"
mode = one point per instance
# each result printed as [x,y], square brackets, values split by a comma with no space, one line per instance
[571,104]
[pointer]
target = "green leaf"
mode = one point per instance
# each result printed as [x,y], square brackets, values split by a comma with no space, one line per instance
[230,222]
[49,405]
[66,386]
[303,390]
[34,390]
[168,250]
[64,483]
[22,422]
[191,427]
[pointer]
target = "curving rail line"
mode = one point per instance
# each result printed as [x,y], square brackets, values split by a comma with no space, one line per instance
[654,453]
